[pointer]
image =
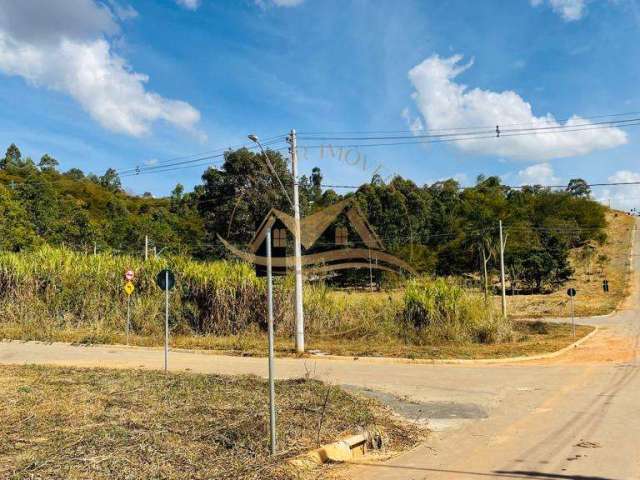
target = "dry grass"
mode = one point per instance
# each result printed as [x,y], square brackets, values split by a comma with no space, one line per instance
[103,424]
[591,299]
[526,340]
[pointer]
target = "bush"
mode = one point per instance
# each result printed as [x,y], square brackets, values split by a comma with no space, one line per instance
[441,310]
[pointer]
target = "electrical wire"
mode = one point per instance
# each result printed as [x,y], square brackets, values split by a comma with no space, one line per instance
[477,127]
[466,137]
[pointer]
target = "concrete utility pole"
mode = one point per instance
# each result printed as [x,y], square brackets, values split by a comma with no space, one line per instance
[146,247]
[298,249]
[504,294]
[299,316]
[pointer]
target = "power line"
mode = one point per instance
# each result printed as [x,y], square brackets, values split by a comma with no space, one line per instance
[465,137]
[328,132]
[491,132]
[220,152]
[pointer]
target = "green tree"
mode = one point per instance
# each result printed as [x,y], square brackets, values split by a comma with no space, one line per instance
[235,198]
[111,180]
[16,232]
[74,173]
[578,188]
[48,163]
[12,158]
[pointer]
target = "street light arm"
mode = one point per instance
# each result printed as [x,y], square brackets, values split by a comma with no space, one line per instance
[254,139]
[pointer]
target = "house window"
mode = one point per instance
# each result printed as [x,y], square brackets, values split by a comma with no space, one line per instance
[342,236]
[279,237]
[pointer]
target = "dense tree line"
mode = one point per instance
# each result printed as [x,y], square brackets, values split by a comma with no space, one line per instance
[40,204]
[440,228]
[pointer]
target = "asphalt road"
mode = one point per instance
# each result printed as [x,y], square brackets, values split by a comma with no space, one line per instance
[572,417]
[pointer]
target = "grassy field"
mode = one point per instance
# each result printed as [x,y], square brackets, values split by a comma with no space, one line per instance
[587,279]
[103,424]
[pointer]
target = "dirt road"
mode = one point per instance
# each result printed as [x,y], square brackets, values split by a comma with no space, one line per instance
[573,417]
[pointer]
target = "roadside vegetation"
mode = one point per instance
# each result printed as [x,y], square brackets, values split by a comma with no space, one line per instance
[53,286]
[107,424]
[55,294]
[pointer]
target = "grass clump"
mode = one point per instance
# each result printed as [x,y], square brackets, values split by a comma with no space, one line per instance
[440,310]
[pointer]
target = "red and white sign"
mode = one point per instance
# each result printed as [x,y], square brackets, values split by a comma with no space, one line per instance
[129,275]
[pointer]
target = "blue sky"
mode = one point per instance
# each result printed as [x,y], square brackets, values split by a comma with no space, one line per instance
[111,83]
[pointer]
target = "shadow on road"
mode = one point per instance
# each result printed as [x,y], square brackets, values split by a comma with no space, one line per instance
[530,474]
[545,476]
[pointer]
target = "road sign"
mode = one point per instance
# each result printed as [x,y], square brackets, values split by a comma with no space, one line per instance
[129,288]
[166,280]
[128,275]
[605,285]
[571,292]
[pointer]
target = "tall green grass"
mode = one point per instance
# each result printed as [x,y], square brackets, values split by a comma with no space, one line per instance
[440,310]
[51,290]
[54,288]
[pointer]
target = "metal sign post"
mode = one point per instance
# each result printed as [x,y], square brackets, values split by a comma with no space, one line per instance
[166,281]
[272,393]
[128,317]
[572,293]
[128,289]
[166,321]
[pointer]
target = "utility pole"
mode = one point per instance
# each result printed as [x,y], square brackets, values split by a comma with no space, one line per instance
[504,295]
[95,248]
[299,318]
[166,322]
[146,248]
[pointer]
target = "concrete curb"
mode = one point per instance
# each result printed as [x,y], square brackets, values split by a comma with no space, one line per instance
[349,448]
[463,361]
[370,360]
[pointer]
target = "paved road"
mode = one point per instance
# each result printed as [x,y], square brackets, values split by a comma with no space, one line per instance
[573,417]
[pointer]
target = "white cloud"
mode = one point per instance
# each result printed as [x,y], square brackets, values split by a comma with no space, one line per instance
[623,197]
[65,46]
[189,4]
[569,10]
[445,104]
[539,174]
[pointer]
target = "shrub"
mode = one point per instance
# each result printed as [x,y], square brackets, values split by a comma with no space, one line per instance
[438,310]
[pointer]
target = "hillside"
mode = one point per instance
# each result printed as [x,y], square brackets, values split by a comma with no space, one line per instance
[609,261]
[42,205]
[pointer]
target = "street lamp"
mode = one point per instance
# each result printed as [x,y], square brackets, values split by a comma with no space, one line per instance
[254,139]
